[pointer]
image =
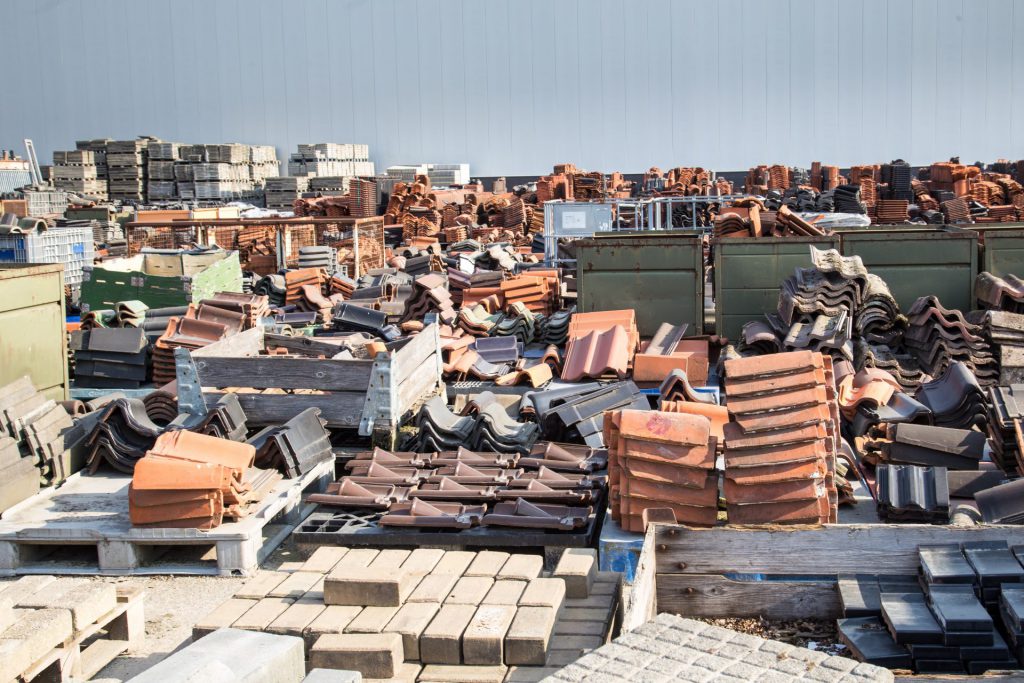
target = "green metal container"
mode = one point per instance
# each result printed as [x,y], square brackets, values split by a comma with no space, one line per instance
[1000,248]
[916,262]
[660,276]
[33,340]
[749,271]
[104,287]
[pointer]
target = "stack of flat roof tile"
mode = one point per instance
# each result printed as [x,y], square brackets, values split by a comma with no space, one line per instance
[928,445]
[549,488]
[955,398]
[189,480]
[33,441]
[110,357]
[892,211]
[780,447]
[663,461]
[939,336]
[199,327]
[295,447]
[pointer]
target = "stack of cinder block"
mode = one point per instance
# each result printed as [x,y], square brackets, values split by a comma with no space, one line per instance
[429,614]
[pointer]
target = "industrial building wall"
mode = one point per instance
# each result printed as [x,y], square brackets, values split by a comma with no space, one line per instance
[514,87]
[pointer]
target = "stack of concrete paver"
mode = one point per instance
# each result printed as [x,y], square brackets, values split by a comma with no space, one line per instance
[126,166]
[77,171]
[331,159]
[430,615]
[671,648]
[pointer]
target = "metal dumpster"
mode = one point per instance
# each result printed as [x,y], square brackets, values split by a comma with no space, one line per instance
[916,262]
[660,275]
[1000,248]
[33,340]
[748,272]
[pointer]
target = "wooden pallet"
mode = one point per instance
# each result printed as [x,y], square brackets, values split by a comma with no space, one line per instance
[89,650]
[83,528]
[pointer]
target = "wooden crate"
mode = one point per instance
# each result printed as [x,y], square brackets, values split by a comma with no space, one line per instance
[373,396]
[776,571]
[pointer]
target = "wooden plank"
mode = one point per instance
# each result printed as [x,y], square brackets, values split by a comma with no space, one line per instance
[413,356]
[247,343]
[413,388]
[308,346]
[712,595]
[340,409]
[808,550]
[642,605]
[283,372]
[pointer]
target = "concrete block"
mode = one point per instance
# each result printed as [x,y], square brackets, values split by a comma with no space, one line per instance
[294,620]
[504,593]
[358,557]
[295,585]
[487,563]
[422,561]
[291,566]
[389,559]
[14,659]
[262,614]
[454,562]
[24,587]
[37,632]
[484,639]
[259,586]
[371,620]
[408,672]
[372,655]
[441,641]
[381,587]
[316,592]
[521,567]
[560,658]
[410,621]
[222,617]
[543,593]
[433,588]
[583,614]
[526,642]
[529,674]
[578,568]
[332,676]
[469,590]
[324,559]
[6,614]
[597,601]
[581,628]
[248,656]
[333,619]
[440,673]
[87,601]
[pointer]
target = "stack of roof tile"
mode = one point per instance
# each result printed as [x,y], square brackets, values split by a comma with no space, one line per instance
[600,343]
[252,307]
[1004,331]
[295,447]
[931,446]
[664,461]
[835,284]
[892,211]
[847,199]
[489,429]
[903,366]
[194,481]
[1006,414]
[939,336]
[956,210]
[110,357]
[878,319]
[33,441]
[430,293]
[1000,293]
[668,351]
[184,332]
[576,412]
[955,398]
[780,447]
[909,493]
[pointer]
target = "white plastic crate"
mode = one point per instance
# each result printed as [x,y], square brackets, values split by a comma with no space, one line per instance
[71,246]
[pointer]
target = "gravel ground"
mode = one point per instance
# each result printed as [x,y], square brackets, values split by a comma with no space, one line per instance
[172,605]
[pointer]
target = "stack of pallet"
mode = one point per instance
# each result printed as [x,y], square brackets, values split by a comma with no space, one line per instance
[194,481]
[162,158]
[98,147]
[65,628]
[126,166]
[281,192]
[331,159]
[428,614]
[76,171]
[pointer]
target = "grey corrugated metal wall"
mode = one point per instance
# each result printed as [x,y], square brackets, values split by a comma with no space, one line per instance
[514,87]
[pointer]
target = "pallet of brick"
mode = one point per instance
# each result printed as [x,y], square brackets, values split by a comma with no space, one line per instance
[66,629]
[428,613]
